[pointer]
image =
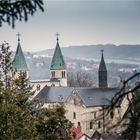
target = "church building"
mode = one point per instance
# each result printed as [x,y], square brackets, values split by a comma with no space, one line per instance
[85,106]
[58,71]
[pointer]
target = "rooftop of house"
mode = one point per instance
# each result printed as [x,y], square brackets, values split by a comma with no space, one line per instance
[54,94]
[90,96]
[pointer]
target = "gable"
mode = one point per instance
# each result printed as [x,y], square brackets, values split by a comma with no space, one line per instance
[75,99]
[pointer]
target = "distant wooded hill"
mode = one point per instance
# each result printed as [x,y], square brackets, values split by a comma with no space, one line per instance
[111,51]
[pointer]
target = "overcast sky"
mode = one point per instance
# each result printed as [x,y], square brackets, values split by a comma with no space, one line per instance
[79,22]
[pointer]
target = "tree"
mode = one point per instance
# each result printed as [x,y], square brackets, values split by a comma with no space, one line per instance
[17,112]
[22,118]
[131,86]
[53,125]
[133,114]
[12,10]
[80,79]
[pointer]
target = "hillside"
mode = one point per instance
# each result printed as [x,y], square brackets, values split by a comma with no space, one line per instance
[93,51]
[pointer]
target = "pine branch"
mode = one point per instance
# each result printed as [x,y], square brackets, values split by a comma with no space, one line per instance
[12,10]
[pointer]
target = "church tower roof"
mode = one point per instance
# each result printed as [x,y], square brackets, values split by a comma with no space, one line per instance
[102,73]
[19,62]
[57,60]
[102,66]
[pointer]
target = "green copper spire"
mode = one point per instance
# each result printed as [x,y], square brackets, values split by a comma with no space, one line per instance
[57,60]
[19,62]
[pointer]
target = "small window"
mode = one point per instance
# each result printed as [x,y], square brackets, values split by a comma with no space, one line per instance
[111,114]
[99,124]
[74,115]
[90,125]
[79,124]
[64,74]
[53,74]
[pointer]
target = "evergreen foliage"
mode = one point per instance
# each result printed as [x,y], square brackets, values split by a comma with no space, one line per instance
[20,117]
[53,124]
[16,118]
[12,10]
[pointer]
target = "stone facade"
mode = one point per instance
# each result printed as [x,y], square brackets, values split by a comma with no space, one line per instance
[60,75]
[92,118]
[85,107]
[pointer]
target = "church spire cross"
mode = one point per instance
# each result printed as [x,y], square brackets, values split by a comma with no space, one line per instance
[18,36]
[57,35]
[102,51]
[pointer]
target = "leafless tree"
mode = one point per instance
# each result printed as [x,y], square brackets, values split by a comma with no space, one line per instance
[81,79]
[131,85]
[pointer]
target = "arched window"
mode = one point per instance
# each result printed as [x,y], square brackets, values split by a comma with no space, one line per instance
[64,74]
[74,115]
[53,74]
[79,124]
[90,125]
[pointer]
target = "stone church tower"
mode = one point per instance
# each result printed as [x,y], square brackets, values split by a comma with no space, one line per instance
[19,62]
[58,69]
[102,73]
